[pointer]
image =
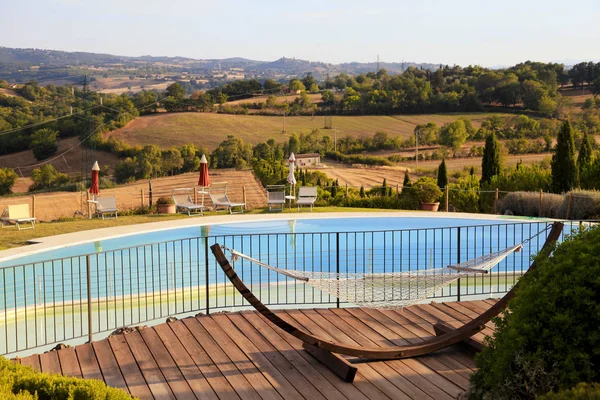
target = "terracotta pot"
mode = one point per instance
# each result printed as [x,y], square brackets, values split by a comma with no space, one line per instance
[430,206]
[166,208]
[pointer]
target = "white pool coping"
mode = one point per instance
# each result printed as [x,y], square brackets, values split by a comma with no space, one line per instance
[82,237]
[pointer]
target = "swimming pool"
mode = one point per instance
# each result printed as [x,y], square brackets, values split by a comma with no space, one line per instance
[100,285]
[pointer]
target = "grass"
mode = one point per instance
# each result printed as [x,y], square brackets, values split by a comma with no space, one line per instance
[12,238]
[210,129]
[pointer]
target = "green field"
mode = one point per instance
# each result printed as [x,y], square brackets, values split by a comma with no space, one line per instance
[209,129]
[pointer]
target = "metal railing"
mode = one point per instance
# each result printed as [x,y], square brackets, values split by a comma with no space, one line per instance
[85,296]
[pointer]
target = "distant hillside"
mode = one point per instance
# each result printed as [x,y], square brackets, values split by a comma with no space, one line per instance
[22,65]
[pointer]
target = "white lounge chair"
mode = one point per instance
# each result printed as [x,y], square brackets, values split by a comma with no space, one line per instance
[183,202]
[307,195]
[219,198]
[17,214]
[106,205]
[276,196]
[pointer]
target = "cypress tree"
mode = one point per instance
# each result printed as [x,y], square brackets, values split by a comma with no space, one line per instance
[472,171]
[406,183]
[384,187]
[362,192]
[490,165]
[333,189]
[442,178]
[584,160]
[564,169]
[319,181]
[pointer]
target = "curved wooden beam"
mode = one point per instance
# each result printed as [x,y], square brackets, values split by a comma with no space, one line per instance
[425,347]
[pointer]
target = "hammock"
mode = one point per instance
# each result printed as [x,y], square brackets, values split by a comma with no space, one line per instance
[391,289]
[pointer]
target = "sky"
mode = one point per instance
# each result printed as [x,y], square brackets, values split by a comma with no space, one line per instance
[463,32]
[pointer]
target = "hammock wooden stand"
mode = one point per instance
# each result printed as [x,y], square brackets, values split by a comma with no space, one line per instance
[327,351]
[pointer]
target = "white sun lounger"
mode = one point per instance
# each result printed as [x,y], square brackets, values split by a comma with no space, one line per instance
[307,195]
[17,214]
[106,205]
[276,196]
[184,203]
[219,198]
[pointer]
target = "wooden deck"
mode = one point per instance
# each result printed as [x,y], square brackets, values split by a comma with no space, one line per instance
[241,355]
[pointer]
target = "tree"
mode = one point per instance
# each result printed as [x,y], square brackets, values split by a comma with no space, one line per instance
[176,91]
[294,143]
[296,85]
[564,170]
[406,183]
[454,134]
[8,176]
[47,177]
[442,177]
[584,160]
[490,164]
[44,143]
[171,161]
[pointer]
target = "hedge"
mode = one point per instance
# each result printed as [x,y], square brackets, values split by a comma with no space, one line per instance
[22,382]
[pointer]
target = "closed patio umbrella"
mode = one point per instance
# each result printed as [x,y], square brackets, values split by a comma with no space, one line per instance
[95,186]
[204,179]
[291,179]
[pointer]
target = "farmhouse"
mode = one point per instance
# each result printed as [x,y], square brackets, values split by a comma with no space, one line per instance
[305,160]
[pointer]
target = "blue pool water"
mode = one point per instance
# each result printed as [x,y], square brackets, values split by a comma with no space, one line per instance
[300,226]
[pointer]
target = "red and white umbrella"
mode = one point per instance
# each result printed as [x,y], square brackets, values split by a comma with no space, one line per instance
[95,186]
[204,179]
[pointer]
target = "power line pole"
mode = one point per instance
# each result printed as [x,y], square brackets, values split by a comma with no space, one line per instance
[417,150]
[335,139]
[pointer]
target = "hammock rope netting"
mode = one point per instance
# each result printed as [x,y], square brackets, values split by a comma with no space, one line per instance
[390,289]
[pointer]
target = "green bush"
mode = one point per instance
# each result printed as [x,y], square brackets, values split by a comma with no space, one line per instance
[44,143]
[464,195]
[548,338]
[427,190]
[583,391]
[47,177]
[585,204]
[21,382]
[8,176]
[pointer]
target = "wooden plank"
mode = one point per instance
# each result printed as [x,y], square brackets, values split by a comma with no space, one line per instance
[287,368]
[460,362]
[319,376]
[444,308]
[471,345]
[213,375]
[262,363]
[460,307]
[361,382]
[414,385]
[337,364]
[424,330]
[184,362]
[49,363]
[131,373]
[237,380]
[379,373]
[255,376]
[69,363]
[88,362]
[441,363]
[152,374]
[32,361]
[167,366]
[108,365]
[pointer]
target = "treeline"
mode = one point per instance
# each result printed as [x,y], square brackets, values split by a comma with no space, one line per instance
[65,111]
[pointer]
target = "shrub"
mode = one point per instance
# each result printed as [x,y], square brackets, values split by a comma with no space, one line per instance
[583,391]
[427,190]
[528,204]
[585,205]
[21,382]
[8,176]
[44,143]
[464,195]
[47,177]
[164,200]
[548,338]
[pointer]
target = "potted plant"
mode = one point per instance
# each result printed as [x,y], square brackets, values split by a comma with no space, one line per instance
[165,205]
[428,193]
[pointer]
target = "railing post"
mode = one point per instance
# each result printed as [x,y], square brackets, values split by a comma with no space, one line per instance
[496,202]
[541,194]
[337,266]
[569,204]
[33,205]
[142,197]
[150,193]
[88,268]
[207,291]
[458,262]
